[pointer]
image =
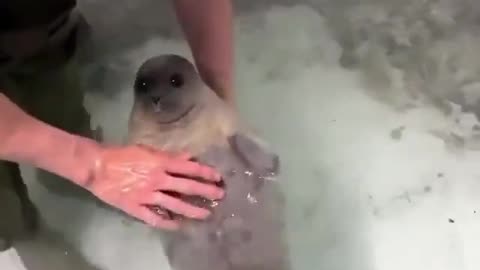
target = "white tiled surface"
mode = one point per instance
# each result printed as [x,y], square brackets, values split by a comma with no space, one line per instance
[9,260]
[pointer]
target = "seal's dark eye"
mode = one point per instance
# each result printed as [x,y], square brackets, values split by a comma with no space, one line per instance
[176,80]
[143,84]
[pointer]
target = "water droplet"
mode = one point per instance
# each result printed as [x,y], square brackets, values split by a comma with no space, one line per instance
[268,178]
[214,204]
[251,198]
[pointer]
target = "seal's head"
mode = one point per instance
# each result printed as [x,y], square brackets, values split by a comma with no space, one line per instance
[174,109]
[169,87]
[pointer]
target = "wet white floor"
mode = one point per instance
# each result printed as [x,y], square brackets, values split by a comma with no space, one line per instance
[382,168]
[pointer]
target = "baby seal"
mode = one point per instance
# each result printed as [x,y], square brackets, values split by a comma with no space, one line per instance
[174,110]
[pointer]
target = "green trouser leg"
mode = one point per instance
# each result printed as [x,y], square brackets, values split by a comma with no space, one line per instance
[18,216]
[52,93]
[55,96]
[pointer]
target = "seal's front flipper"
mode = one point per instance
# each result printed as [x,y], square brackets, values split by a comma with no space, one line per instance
[254,155]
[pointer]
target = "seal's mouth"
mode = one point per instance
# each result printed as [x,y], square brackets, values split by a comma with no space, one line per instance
[179,117]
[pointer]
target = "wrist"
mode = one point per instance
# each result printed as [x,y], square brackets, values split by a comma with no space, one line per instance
[78,161]
[70,156]
[24,139]
[67,155]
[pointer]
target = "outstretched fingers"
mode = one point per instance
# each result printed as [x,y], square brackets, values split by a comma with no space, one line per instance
[177,206]
[153,219]
[193,187]
[193,169]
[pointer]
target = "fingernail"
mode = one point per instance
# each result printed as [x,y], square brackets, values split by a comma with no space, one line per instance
[220,194]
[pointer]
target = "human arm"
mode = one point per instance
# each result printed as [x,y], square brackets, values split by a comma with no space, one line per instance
[24,139]
[125,177]
[208,28]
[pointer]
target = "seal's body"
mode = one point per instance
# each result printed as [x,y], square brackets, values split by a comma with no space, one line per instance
[175,111]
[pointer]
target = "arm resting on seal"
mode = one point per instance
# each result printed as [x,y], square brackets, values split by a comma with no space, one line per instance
[208,25]
[24,139]
[127,177]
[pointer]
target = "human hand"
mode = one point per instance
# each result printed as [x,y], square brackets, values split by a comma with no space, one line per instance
[137,178]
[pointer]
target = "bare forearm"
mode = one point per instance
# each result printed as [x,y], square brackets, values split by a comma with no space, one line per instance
[207,25]
[24,139]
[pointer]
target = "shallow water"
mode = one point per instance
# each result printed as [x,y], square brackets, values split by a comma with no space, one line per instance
[371,106]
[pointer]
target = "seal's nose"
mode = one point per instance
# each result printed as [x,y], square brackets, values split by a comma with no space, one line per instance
[156,100]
